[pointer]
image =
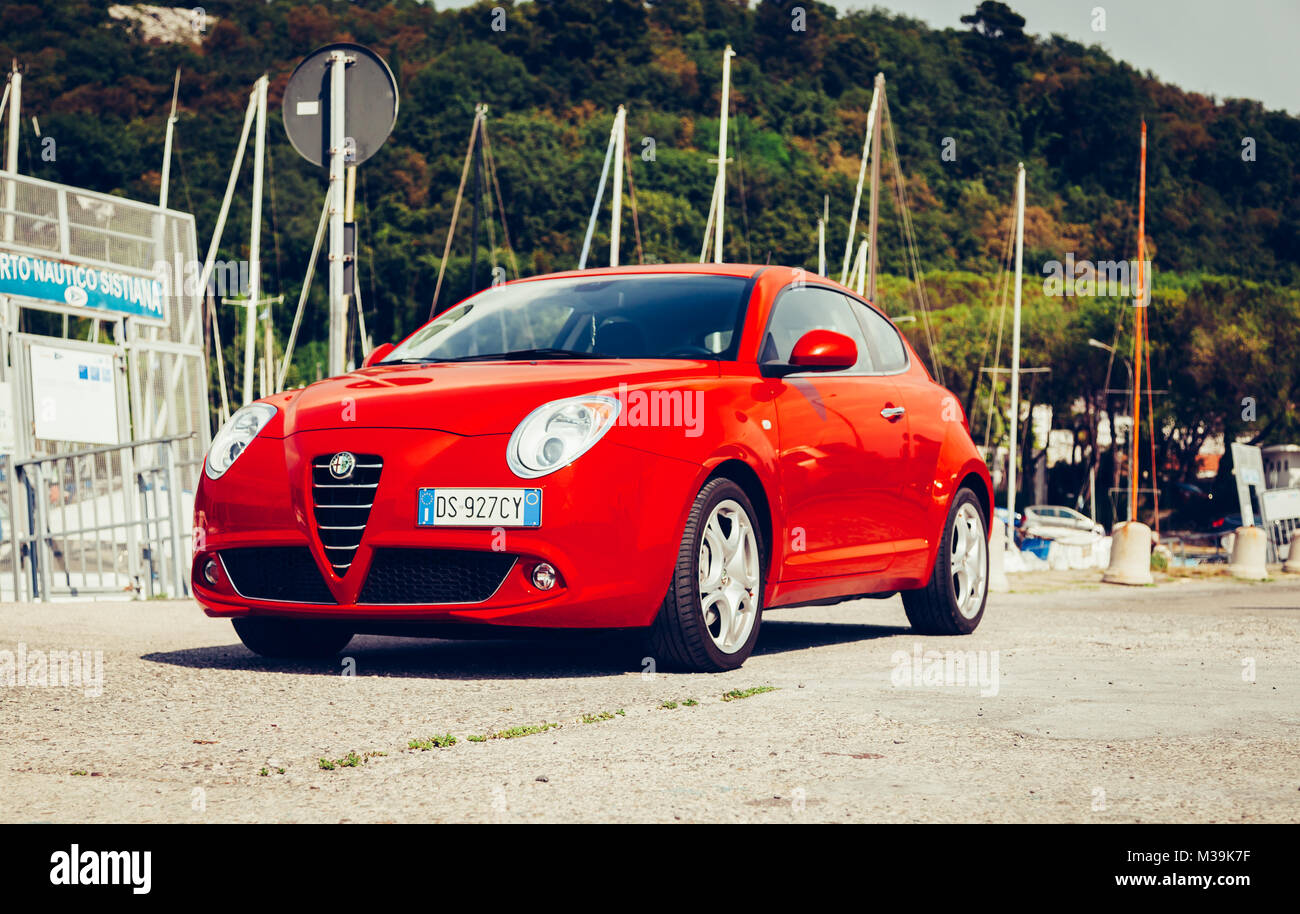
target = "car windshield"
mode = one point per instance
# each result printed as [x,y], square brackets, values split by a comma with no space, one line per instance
[633,316]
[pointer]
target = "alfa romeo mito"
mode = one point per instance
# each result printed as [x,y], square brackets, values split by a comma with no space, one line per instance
[669,449]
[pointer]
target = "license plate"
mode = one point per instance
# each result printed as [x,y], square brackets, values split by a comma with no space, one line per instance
[438,507]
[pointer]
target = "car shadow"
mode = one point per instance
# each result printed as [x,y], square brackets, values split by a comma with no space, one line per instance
[566,655]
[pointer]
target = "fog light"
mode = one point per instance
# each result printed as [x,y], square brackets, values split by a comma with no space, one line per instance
[210,572]
[544,576]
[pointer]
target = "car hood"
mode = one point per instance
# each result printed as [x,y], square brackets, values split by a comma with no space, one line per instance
[470,398]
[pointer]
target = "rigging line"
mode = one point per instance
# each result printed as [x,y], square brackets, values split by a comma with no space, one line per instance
[909,240]
[185,181]
[302,294]
[275,234]
[496,187]
[1003,266]
[744,208]
[370,248]
[631,188]
[1129,224]
[455,211]
[1001,289]
[221,362]
[1151,416]
[1004,294]
[487,214]
[910,243]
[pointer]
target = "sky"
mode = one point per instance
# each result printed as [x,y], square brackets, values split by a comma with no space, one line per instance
[1238,49]
[1242,48]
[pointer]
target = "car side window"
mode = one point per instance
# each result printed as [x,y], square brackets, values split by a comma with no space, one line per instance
[803,308]
[889,347]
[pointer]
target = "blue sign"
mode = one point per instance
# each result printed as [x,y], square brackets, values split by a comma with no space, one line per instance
[85,286]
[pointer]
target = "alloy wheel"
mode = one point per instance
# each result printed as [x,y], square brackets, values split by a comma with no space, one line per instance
[729,576]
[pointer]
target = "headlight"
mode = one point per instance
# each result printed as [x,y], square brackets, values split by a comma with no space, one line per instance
[558,433]
[235,435]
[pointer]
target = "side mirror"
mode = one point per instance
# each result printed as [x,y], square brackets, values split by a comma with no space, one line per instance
[818,350]
[378,354]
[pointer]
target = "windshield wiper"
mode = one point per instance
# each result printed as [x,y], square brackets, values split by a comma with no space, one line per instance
[544,353]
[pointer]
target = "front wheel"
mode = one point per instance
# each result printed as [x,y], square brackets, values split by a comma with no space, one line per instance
[952,603]
[710,617]
[291,637]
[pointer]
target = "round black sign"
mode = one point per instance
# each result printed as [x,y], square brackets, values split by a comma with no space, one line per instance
[369,104]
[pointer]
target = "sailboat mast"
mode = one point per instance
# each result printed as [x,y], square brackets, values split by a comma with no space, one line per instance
[874,209]
[1015,342]
[1139,326]
[862,177]
[620,122]
[15,92]
[721,191]
[255,244]
[167,145]
[821,234]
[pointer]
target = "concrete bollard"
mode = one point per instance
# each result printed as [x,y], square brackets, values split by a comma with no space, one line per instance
[1292,564]
[1130,555]
[1248,552]
[998,582]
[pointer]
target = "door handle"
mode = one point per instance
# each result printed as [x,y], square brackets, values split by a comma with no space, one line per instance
[893,412]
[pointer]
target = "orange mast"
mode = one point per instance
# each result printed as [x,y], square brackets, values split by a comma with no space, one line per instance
[1138,326]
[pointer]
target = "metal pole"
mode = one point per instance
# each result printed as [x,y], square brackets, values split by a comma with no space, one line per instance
[600,195]
[722,154]
[210,261]
[821,235]
[1015,343]
[862,177]
[474,215]
[873,219]
[15,114]
[620,121]
[860,267]
[708,225]
[1139,317]
[338,302]
[180,564]
[480,112]
[167,145]
[255,244]
[11,152]
[302,296]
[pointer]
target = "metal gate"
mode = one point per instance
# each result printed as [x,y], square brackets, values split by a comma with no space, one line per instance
[108,512]
[71,528]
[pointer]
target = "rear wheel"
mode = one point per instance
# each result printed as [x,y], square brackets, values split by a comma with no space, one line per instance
[952,603]
[291,637]
[710,617]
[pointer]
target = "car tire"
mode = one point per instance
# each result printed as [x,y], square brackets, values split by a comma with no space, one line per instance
[712,586]
[291,637]
[962,562]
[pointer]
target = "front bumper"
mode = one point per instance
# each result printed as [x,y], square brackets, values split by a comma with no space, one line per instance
[611,526]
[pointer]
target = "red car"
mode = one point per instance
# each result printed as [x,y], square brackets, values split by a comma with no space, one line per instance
[672,449]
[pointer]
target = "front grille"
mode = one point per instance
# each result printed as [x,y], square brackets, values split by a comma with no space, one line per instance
[286,574]
[342,506]
[434,576]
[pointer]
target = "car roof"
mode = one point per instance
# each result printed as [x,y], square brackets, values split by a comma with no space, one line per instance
[746,270]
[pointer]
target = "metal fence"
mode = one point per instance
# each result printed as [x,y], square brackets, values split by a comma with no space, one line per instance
[72,528]
[1280,514]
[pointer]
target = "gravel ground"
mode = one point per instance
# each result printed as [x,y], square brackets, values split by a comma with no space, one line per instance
[1174,703]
